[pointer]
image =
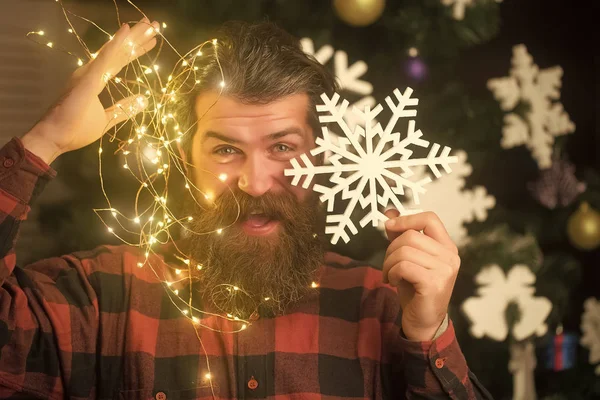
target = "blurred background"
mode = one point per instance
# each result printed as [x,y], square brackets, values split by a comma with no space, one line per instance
[511,86]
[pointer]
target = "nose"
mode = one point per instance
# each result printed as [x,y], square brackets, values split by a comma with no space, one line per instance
[255,177]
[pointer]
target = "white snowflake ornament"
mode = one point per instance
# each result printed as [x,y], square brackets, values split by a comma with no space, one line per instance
[452,203]
[545,117]
[590,326]
[497,290]
[366,166]
[459,6]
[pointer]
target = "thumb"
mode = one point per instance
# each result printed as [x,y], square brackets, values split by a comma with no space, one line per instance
[124,110]
[392,234]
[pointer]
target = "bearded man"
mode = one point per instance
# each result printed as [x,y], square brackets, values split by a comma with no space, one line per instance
[94,325]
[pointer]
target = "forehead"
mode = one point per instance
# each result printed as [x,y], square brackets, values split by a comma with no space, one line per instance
[227,112]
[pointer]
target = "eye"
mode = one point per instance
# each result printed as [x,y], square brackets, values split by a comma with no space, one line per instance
[282,148]
[225,151]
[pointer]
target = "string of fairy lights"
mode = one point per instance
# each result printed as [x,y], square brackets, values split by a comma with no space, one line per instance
[151,152]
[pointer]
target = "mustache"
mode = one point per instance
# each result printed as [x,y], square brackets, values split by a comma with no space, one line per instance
[236,204]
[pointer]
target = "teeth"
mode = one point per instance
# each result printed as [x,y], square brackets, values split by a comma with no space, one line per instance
[256,212]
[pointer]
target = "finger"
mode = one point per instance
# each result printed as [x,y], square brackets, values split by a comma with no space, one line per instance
[142,32]
[416,256]
[124,110]
[141,39]
[428,222]
[392,213]
[103,62]
[423,242]
[409,272]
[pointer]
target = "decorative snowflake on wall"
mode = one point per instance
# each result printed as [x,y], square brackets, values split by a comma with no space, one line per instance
[358,169]
[544,118]
[454,204]
[497,291]
[590,326]
[349,79]
[459,6]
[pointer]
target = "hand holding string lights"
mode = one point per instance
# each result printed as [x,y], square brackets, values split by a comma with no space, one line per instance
[80,119]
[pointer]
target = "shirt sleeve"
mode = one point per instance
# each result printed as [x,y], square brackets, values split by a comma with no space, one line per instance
[48,310]
[437,369]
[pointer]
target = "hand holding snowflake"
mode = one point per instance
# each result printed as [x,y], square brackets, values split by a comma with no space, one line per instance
[367,159]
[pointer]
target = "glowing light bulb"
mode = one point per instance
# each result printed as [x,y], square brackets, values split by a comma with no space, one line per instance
[244,326]
[214,41]
[150,31]
[223,177]
[176,291]
[267,298]
[164,25]
[187,262]
[219,231]
[413,52]
[314,285]
[41,33]
[190,218]
[94,55]
[229,316]
[187,186]
[169,283]
[118,80]
[199,53]
[185,312]
[184,63]
[147,71]
[222,84]
[80,62]
[126,166]
[236,288]
[110,230]
[199,267]
[70,30]
[195,320]
[208,376]
[136,220]
[140,265]
[155,67]
[50,44]
[100,150]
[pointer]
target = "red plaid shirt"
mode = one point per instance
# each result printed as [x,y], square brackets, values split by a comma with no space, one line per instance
[93,325]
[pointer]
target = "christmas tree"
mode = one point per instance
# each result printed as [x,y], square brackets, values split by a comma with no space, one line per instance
[507,86]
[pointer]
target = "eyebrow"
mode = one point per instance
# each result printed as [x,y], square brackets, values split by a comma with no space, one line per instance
[270,137]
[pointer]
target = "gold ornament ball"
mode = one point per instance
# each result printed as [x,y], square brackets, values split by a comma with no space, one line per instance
[583,228]
[359,12]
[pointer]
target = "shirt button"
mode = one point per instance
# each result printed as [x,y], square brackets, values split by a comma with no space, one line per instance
[8,162]
[160,396]
[252,383]
[439,363]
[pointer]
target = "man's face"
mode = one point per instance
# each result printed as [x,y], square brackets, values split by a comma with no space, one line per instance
[247,146]
[253,229]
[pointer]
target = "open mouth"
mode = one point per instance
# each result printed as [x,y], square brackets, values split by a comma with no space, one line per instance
[258,222]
